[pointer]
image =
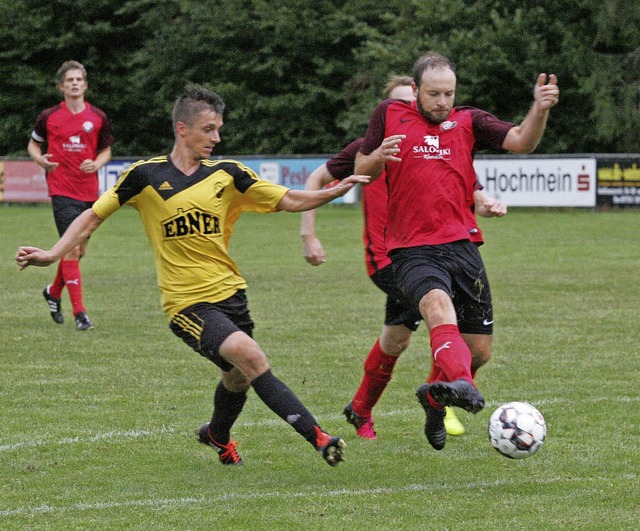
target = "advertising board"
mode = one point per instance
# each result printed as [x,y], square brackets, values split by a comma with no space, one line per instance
[539,182]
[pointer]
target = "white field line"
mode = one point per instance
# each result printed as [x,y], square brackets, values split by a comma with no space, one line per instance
[119,436]
[108,436]
[171,503]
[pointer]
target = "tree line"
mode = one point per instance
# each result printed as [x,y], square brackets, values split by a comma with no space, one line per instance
[302,76]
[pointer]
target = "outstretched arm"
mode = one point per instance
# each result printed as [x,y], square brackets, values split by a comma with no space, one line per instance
[81,228]
[312,249]
[301,200]
[525,137]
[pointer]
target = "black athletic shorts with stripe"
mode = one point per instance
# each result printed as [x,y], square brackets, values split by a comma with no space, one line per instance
[398,310]
[455,268]
[204,326]
[66,209]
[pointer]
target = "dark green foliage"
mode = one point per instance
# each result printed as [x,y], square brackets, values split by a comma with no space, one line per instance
[302,76]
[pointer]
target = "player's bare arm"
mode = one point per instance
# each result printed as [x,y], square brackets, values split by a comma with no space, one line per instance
[525,137]
[44,161]
[373,164]
[81,228]
[312,249]
[301,200]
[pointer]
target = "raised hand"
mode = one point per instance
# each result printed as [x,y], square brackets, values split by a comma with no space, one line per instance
[546,93]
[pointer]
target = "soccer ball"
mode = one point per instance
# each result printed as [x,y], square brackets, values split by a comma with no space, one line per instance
[517,430]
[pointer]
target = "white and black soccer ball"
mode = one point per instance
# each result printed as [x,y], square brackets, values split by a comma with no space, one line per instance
[517,430]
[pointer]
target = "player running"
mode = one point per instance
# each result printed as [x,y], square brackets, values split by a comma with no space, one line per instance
[78,137]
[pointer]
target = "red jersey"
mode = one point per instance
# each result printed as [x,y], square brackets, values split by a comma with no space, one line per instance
[431,189]
[71,139]
[374,207]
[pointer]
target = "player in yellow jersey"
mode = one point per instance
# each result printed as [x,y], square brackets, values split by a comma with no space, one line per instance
[188,205]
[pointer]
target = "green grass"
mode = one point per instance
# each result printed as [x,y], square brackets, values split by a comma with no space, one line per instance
[97,428]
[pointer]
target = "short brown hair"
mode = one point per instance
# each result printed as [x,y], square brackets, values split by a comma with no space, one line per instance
[397,81]
[193,100]
[430,60]
[69,65]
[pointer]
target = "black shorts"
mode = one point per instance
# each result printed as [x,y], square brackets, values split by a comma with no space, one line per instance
[65,210]
[204,326]
[455,268]
[398,310]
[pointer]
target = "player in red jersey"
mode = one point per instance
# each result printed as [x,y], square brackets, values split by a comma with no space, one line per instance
[426,148]
[400,319]
[78,137]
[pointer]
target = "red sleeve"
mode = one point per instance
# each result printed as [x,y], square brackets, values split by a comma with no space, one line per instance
[488,130]
[375,132]
[341,166]
[105,137]
[40,129]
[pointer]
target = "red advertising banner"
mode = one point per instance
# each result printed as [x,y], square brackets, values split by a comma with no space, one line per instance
[24,182]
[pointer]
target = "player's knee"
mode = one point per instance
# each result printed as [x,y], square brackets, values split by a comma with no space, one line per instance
[394,346]
[245,354]
[395,339]
[253,363]
[437,308]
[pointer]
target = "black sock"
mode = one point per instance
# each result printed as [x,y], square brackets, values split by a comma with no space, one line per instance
[284,403]
[227,406]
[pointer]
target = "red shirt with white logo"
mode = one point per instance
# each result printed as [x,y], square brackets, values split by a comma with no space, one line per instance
[71,139]
[431,189]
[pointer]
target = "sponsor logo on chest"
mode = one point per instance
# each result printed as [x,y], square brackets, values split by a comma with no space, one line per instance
[430,147]
[74,144]
[192,222]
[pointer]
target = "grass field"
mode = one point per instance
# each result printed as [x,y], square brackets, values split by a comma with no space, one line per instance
[97,428]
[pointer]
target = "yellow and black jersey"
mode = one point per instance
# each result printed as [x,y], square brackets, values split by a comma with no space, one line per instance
[189,220]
